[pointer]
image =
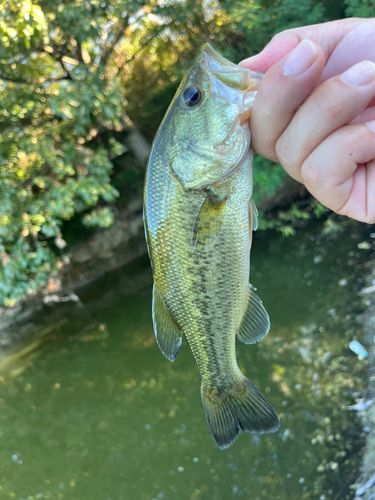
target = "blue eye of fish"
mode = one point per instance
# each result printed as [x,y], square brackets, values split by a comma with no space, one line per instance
[192,96]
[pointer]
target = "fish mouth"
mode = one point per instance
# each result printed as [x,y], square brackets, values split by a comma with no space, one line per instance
[244,116]
[236,89]
[228,72]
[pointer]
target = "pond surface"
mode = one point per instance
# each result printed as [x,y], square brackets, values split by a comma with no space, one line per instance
[96,411]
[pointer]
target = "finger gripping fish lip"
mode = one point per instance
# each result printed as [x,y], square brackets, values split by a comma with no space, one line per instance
[228,72]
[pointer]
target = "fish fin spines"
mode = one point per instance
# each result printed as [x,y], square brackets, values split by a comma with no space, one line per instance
[167,333]
[255,322]
[244,409]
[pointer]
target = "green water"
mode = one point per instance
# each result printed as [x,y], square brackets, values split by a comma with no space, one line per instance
[100,414]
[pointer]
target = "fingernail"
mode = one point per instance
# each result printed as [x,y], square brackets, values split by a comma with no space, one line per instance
[300,59]
[360,74]
[371,125]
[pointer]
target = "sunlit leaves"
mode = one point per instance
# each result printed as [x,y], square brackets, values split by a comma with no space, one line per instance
[70,71]
[102,217]
[21,23]
[55,99]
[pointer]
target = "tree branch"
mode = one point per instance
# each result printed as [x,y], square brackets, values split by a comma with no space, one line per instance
[44,50]
[26,122]
[61,51]
[78,51]
[34,82]
[108,51]
[144,45]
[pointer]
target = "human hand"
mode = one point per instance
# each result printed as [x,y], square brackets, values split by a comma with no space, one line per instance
[315,111]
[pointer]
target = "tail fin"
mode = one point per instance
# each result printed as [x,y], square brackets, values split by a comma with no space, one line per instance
[242,408]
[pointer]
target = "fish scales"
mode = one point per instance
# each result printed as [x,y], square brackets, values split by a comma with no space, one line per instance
[216,271]
[198,226]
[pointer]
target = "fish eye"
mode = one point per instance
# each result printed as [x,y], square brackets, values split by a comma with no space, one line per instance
[192,96]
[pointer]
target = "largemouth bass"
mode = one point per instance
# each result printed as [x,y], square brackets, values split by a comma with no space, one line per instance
[199,218]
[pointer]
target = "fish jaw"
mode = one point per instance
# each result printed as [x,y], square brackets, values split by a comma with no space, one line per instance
[229,73]
[233,77]
[222,158]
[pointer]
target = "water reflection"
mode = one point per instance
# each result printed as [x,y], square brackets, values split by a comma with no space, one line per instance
[101,414]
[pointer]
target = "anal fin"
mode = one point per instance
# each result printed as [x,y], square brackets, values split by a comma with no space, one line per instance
[255,322]
[167,333]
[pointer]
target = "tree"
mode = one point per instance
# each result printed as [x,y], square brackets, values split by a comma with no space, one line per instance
[72,72]
[62,79]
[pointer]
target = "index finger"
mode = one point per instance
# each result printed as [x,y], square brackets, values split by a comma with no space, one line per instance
[281,92]
[328,36]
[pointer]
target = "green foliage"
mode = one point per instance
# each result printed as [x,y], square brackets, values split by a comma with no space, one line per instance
[319,210]
[287,220]
[257,25]
[22,23]
[268,176]
[360,8]
[69,73]
[58,88]
[102,217]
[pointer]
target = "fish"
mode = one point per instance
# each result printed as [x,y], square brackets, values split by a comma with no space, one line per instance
[199,217]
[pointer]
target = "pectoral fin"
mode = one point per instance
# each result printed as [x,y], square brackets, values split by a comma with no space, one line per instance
[167,333]
[255,322]
[208,220]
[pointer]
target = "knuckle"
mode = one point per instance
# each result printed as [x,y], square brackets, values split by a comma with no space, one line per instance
[310,176]
[286,150]
[288,33]
[337,109]
[334,111]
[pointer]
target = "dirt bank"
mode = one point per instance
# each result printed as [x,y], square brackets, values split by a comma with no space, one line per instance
[104,252]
